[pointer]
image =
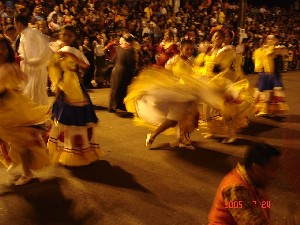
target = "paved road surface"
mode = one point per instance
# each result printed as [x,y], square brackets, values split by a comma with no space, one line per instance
[164,186]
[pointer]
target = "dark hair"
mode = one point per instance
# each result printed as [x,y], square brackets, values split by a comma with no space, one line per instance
[73,30]
[230,33]
[11,54]
[129,38]
[214,30]
[186,42]
[260,153]
[69,28]
[220,31]
[22,18]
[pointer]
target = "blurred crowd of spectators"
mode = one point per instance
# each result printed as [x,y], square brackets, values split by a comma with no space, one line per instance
[100,23]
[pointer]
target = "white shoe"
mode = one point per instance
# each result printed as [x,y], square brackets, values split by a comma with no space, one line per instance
[148,141]
[23,180]
[261,113]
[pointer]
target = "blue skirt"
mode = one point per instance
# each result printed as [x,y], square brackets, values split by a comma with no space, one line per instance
[71,115]
[268,81]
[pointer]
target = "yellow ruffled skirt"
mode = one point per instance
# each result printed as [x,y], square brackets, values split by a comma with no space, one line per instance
[73,145]
[156,95]
[17,115]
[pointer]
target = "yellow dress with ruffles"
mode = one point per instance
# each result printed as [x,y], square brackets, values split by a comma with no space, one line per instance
[204,66]
[158,88]
[64,146]
[156,91]
[63,76]
[229,80]
[17,115]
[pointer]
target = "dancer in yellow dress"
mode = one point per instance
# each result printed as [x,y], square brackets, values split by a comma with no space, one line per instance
[221,66]
[167,98]
[72,140]
[20,140]
[205,61]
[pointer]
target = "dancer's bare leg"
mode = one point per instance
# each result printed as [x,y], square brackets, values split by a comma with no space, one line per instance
[231,132]
[164,126]
[27,174]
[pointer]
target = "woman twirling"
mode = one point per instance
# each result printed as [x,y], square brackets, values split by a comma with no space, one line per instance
[72,140]
[167,98]
[20,140]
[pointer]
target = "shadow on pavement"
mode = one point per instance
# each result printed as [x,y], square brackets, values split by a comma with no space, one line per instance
[257,128]
[49,204]
[124,114]
[210,159]
[99,107]
[164,147]
[293,119]
[290,173]
[275,118]
[103,172]
[241,142]
[203,157]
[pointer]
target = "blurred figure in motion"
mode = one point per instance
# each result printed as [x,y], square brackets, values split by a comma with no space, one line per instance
[241,198]
[122,73]
[269,94]
[21,142]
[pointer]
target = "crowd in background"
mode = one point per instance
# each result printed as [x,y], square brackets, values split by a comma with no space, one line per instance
[100,24]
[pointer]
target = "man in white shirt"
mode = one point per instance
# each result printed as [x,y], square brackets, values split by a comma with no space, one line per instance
[35,54]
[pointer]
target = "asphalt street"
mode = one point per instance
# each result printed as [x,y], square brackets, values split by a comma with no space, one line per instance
[163,186]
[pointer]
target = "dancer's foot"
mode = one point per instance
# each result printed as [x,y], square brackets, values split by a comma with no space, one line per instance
[181,145]
[228,140]
[149,141]
[188,146]
[207,135]
[175,144]
[261,113]
[11,167]
[24,179]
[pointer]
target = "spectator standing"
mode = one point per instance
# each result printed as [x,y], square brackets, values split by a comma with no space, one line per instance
[54,25]
[148,11]
[99,50]
[87,49]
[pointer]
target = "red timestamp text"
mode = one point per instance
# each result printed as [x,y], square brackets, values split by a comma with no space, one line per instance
[263,204]
[234,205]
[239,204]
